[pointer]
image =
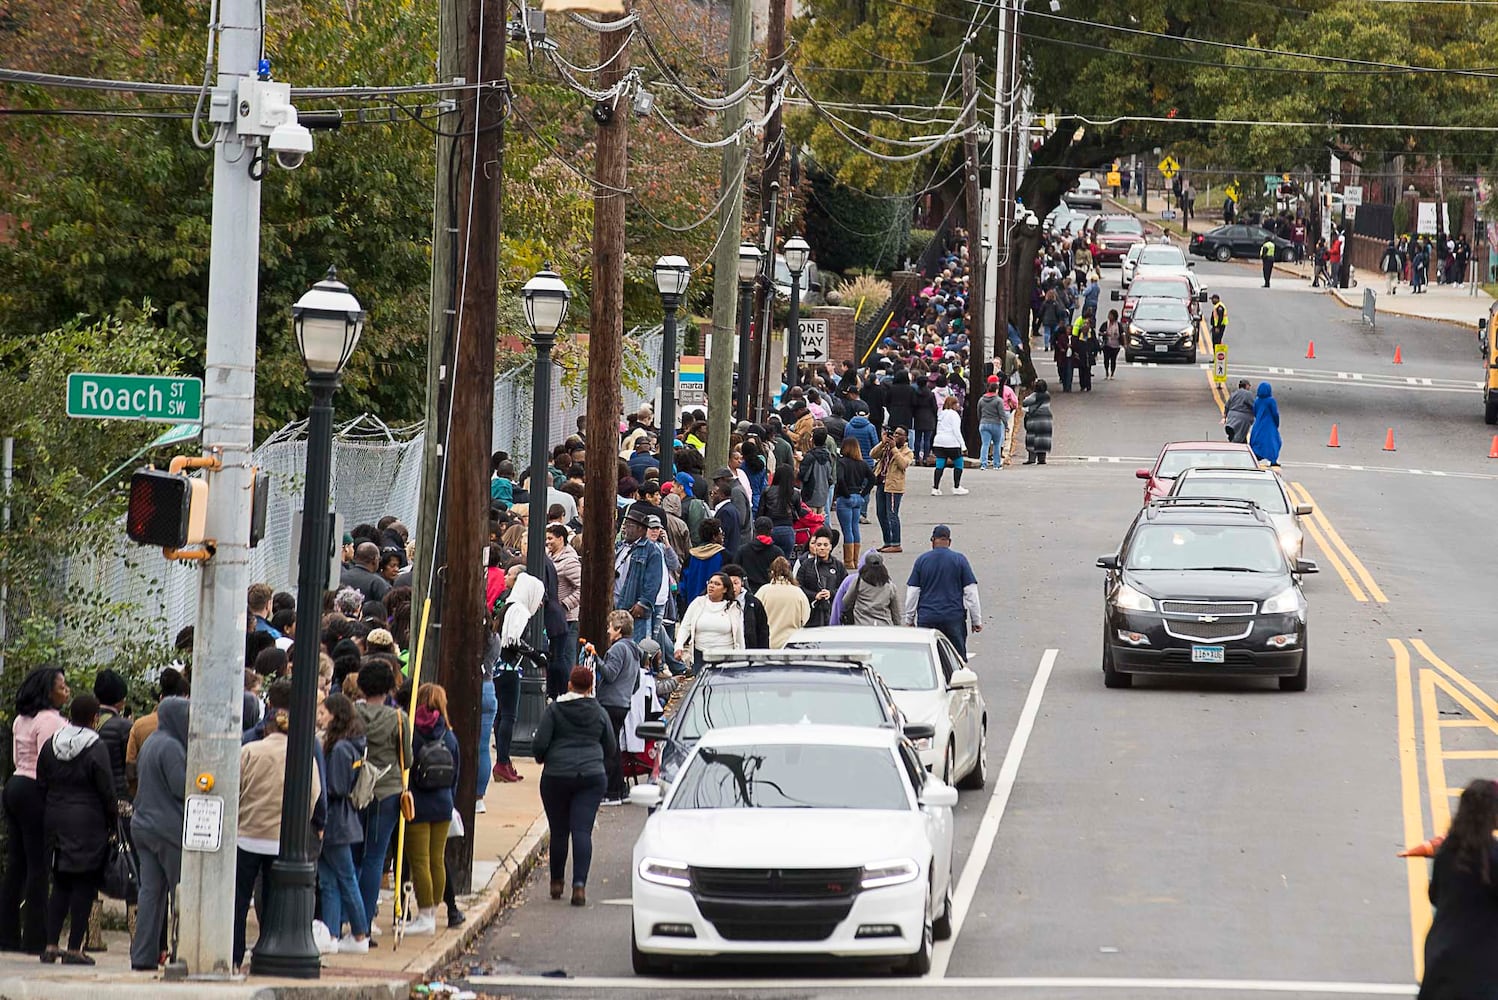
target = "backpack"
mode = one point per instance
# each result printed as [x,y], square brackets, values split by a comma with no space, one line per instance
[434,769]
[366,775]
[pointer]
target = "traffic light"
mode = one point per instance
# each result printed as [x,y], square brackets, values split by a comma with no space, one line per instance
[166,509]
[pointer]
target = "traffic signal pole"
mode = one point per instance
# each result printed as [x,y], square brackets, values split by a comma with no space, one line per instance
[206,895]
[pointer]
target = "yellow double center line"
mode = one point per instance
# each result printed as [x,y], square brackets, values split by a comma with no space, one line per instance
[1348,566]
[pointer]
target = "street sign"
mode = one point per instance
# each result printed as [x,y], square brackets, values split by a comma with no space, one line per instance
[1352,194]
[160,398]
[1232,192]
[691,382]
[814,347]
[176,435]
[203,823]
[1220,364]
[1169,167]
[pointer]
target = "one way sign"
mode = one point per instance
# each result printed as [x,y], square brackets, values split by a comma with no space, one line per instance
[814,349]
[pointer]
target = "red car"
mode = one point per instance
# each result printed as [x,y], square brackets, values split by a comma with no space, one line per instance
[1114,234]
[1160,286]
[1178,456]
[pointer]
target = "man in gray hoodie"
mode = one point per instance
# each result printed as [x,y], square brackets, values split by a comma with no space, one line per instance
[617,679]
[1238,414]
[156,826]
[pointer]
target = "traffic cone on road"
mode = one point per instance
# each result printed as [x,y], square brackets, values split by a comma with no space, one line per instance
[1389,440]
[1311,350]
[1493,451]
[1398,355]
[1335,443]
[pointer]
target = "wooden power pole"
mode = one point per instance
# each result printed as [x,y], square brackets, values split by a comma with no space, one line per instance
[465,501]
[606,338]
[972,195]
[769,190]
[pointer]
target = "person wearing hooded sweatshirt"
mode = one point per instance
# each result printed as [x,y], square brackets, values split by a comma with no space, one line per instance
[432,789]
[526,594]
[388,752]
[871,597]
[1238,414]
[156,827]
[862,430]
[23,894]
[572,743]
[758,553]
[77,786]
[1265,437]
[343,746]
[819,472]
[618,678]
[702,561]
[899,403]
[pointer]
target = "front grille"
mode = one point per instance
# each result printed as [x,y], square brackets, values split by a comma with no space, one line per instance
[775,904]
[1208,607]
[756,928]
[776,883]
[1231,628]
[1231,658]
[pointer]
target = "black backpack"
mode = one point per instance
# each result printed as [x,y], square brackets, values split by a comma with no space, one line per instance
[434,769]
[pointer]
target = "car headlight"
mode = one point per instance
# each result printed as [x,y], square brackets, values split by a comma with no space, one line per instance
[1188,333]
[1134,331]
[1129,599]
[895,872]
[1282,603]
[671,873]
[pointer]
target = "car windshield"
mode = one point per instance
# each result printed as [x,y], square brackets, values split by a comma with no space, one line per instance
[1169,310]
[1134,252]
[1088,184]
[719,704]
[1177,547]
[1122,224]
[1161,257]
[791,776]
[904,666]
[1261,490]
[1147,288]
[1178,460]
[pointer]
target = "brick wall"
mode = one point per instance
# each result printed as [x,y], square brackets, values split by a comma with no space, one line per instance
[840,331]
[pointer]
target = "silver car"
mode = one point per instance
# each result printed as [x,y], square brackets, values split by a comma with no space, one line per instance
[1262,486]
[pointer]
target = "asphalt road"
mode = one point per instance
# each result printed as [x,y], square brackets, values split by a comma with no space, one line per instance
[1183,838]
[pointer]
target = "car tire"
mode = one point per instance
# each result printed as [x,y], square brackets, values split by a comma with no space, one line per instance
[1128,358]
[978,776]
[1113,678]
[643,964]
[1222,254]
[1301,679]
[949,763]
[1286,256]
[919,963]
[941,927]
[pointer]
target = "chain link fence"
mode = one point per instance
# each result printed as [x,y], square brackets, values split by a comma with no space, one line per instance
[376,471]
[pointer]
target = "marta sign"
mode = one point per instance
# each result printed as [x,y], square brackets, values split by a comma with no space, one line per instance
[159,398]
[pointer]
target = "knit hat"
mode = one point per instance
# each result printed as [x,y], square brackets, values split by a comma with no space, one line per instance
[380,639]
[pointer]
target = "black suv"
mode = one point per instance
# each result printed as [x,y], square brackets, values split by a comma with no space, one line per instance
[769,687]
[1203,587]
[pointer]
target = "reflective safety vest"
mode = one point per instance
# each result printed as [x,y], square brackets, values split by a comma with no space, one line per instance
[1220,316]
[1268,250]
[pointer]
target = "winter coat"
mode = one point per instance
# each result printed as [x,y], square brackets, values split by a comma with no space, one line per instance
[733,616]
[1061,344]
[344,825]
[702,562]
[435,806]
[893,470]
[114,731]
[756,556]
[619,674]
[1239,414]
[854,478]
[781,515]
[78,787]
[388,745]
[1038,423]
[786,610]
[815,576]
[925,409]
[863,430]
[864,604]
[733,526]
[949,430]
[1461,962]
[161,774]
[569,568]
[644,569]
[574,738]
[899,403]
[817,475]
[1265,437]
[991,408]
[262,782]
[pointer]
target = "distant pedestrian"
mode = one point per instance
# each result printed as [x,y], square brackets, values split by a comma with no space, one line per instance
[572,743]
[948,447]
[892,456]
[1038,423]
[1061,344]
[618,677]
[1461,962]
[1392,264]
[434,781]
[23,894]
[871,597]
[942,592]
[786,606]
[1267,253]
[1110,335]
[1238,414]
[1419,267]
[991,425]
[1265,437]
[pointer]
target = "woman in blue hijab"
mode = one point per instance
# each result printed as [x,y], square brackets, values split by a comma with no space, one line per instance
[1265,438]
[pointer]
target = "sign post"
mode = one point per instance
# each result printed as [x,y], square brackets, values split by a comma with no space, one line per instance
[158,398]
[1220,364]
[691,385]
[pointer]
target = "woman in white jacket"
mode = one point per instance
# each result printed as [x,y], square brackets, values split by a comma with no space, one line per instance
[948,446]
[713,621]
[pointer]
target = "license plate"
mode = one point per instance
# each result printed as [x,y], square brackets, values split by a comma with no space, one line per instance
[1161,348]
[1207,654]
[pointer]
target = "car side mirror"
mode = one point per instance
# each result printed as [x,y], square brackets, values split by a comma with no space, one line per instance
[648,796]
[655,729]
[1191,264]
[1304,508]
[1141,473]
[1482,324]
[1201,296]
[1306,566]
[936,795]
[1107,562]
[1116,295]
[963,678]
[917,731]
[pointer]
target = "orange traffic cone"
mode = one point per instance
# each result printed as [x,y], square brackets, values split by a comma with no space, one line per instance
[1334,443]
[1426,850]
[1311,350]
[1398,355]
[1493,451]
[1389,440]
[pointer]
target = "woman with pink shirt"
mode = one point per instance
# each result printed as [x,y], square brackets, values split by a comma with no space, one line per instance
[23,928]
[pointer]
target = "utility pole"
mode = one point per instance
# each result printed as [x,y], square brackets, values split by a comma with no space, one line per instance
[725,259]
[606,339]
[973,195]
[207,928]
[465,495]
[995,325]
[452,18]
[769,195]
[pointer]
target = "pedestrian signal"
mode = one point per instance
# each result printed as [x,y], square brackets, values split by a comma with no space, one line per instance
[166,509]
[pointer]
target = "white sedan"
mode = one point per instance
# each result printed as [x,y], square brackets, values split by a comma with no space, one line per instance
[932,685]
[803,841]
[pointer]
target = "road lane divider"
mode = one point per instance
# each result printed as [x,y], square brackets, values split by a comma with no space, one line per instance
[1328,552]
[1412,803]
[1353,562]
[993,814]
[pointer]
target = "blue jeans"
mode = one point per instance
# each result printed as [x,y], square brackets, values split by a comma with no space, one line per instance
[339,887]
[784,536]
[507,693]
[888,508]
[561,658]
[646,627]
[490,708]
[380,818]
[571,803]
[954,629]
[922,445]
[1045,335]
[849,509]
[991,434]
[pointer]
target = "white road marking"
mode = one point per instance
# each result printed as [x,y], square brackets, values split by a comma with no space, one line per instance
[605,983]
[993,815]
[1340,467]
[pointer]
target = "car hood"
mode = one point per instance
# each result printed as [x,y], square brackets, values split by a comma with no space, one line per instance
[1202,585]
[788,838]
[928,707]
[1162,325]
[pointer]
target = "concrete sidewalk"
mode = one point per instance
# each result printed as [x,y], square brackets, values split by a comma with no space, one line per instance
[509,838]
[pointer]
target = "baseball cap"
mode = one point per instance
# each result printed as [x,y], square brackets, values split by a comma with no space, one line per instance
[651,521]
[649,648]
[941,531]
[993,380]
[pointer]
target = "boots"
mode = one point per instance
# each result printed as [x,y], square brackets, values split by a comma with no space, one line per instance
[1041,458]
[579,896]
[857,552]
[556,888]
[847,556]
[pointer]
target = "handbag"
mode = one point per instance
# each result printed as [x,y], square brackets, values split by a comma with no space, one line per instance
[408,801]
[122,868]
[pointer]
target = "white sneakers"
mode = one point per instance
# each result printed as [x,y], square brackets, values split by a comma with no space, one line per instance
[959,491]
[936,491]
[349,945]
[479,807]
[424,923]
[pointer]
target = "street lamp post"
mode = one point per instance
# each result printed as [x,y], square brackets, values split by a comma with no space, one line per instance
[797,252]
[328,321]
[546,299]
[671,276]
[750,257]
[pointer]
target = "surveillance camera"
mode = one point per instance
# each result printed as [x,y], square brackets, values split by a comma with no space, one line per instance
[290,142]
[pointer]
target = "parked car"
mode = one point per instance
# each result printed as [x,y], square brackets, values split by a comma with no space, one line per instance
[1226,242]
[1088,194]
[1114,234]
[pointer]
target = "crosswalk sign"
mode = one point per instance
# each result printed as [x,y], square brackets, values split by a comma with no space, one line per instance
[1220,364]
[1169,167]
[1232,192]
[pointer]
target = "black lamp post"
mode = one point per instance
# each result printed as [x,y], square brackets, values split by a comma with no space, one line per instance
[797,253]
[750,257]
[546,299]
[328,321]
[671,276]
